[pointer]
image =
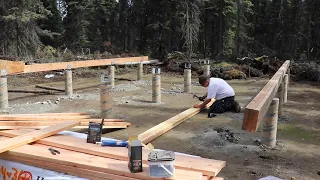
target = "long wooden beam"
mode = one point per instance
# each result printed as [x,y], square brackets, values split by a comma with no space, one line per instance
[41,118]
[208,167]
[165,126]
[258,107]
[42,127]
[34,136]
[12,66]
[80,64]
[90,162]
[50,123]
[48,114]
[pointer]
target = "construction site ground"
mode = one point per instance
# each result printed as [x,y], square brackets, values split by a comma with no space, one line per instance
[296,154]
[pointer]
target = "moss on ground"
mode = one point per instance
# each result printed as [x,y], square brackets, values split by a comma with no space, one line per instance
[299,133]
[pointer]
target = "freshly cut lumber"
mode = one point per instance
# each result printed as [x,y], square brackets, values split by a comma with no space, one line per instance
[49,88]
[208,167]
[165,126]
[30,91]
[74,171]
[41,127]
[12,66]
[50,123]
[34,136]
[258,107]
[90,162]
[48,114]
[80,64]
[41,118]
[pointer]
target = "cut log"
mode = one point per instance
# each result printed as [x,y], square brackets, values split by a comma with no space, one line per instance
[18,141]
[12,66]
[165,126]
[208,167]
[31,91]
[258,107]
[49,88]
[80,64]
[90,162]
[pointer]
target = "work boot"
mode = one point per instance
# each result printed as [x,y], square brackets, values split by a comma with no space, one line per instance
[236,107]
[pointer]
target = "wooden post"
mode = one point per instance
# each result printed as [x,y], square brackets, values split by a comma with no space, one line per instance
[140,71]
[286,83]
[111,76]
[156,86]
[106,102]
[4,102]
[280,95]
[68,87]
[187,80]
[206,70]
[269,124]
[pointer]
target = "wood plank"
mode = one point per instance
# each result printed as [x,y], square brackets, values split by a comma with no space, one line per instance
[208,167]
[42,127]
[41,118]
[167,125]
[90,162]
[258,107]
[80,64]
[49,88]
[49,114]
[34,136]
[29,119]
[74,171]
[30,91]
[50,123]
[12,66]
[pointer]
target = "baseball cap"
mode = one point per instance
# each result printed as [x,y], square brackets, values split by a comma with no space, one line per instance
[203,79]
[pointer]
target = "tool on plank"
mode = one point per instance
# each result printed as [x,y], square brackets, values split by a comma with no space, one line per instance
[94,132]
[113,143]
[54,151]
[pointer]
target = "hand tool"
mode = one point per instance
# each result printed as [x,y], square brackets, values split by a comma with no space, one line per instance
[200,98]
[54,151]
[113,143]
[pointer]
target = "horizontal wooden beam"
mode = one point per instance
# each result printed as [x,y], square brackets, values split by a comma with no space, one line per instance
[50,123]
[49,88]
[165,126]
[18,141]
[41,118]
[12,66]
[258,107]
[80,64]
[48,114]
[42,127]
[208,167]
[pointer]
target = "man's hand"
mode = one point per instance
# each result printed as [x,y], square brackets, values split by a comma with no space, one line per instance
[197,106]
[202,98]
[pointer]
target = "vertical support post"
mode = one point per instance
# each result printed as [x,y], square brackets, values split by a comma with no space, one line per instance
[156,86]
[68,87]
[140,71]
[206,70]
[187,80]
[286,83]
[111,75]
[4,102]
[288,72]
[280,95]
[105,98]
[269,124]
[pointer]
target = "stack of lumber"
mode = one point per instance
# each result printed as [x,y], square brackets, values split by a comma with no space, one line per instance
[38,121]
[90,161]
